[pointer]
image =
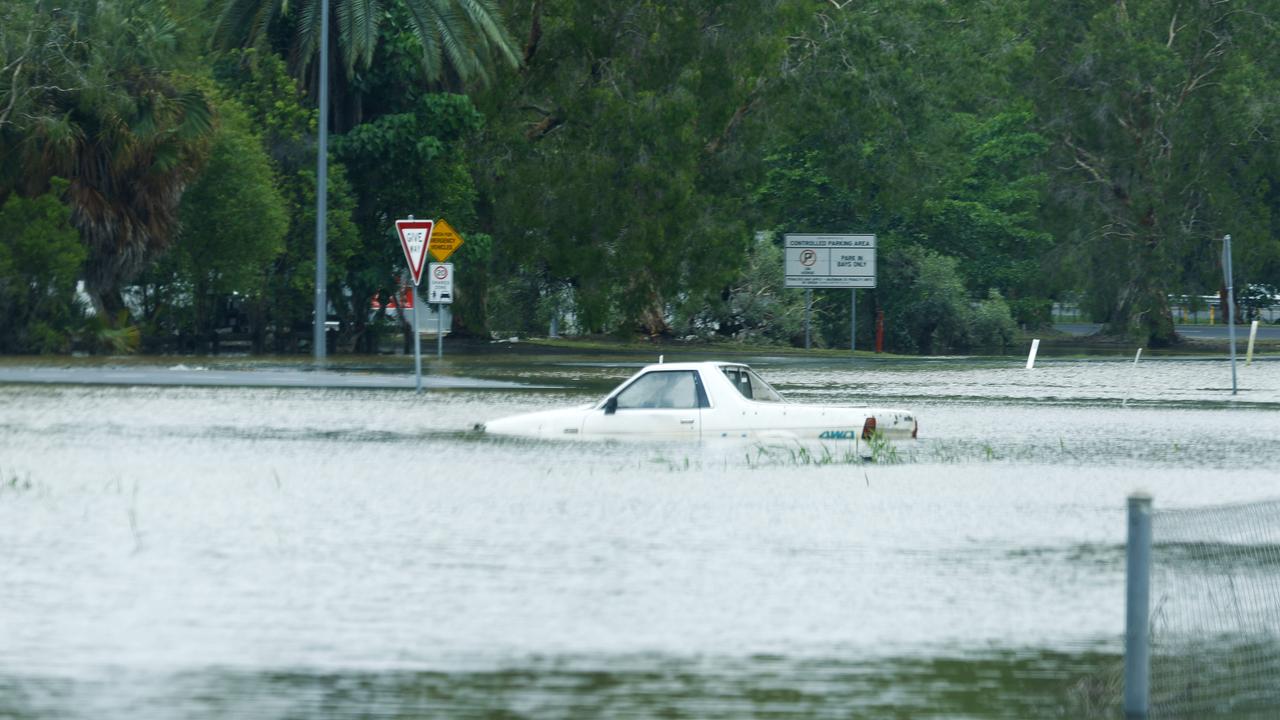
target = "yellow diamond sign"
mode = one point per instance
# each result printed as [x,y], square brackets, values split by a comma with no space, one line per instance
[444,240]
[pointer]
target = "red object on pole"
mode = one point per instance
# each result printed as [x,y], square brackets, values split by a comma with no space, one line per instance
[879,331]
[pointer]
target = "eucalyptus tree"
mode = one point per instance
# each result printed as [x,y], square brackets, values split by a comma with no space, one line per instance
[615,162]
[903,120]
[1162,115]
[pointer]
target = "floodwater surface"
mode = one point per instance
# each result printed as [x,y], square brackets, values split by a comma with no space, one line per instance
[208,552]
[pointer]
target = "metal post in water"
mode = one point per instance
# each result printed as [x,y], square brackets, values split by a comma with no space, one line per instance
[1137,620]
[1231,307]
[1031,356]
[1253,335]
[853,320]
[808,309]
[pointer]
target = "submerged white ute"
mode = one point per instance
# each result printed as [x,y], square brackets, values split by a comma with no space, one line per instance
[707,400]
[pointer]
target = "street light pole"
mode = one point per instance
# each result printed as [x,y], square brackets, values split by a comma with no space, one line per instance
[322,193]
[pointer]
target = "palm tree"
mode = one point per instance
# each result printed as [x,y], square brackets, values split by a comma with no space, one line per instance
[104,113]
[461,36]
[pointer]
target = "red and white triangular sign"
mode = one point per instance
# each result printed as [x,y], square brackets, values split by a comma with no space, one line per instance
[415,235]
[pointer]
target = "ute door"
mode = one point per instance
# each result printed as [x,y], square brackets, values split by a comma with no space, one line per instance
[659,404]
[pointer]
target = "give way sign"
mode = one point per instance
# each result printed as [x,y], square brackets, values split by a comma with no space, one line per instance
[415,235]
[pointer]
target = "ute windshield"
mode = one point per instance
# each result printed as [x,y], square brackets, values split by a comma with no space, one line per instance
[749,384]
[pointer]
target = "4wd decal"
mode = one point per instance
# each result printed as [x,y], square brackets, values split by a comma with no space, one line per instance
[838,435]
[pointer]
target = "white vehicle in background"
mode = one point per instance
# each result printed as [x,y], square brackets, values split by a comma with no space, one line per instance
[707,400]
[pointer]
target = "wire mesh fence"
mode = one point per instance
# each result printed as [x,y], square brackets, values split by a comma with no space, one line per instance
[1215,612]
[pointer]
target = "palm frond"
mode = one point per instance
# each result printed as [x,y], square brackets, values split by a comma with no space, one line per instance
[196,115]
[452,32]
[243,22]
[361,34]
[486,16]
[423,27]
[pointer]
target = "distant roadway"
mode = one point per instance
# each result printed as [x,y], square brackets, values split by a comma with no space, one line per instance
[1191,332]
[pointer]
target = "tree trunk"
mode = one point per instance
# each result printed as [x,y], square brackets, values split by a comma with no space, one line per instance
[108,304]
[1142,313]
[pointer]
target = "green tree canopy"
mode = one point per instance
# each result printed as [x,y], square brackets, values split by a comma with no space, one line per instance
[614,163]
[1155,109]
[233,221]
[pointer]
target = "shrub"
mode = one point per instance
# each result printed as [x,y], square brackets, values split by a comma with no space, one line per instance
[993,325]
[40,260]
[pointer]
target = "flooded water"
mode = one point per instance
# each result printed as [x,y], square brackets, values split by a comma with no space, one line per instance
[207,552]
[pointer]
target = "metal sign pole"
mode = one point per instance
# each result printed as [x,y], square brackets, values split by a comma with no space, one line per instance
[417,341]
[439,330]
[1231,307]
[808,310]
[853,320]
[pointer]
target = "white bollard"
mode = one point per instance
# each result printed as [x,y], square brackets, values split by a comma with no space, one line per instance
[1031,358]
[1253,335]
[1129,390]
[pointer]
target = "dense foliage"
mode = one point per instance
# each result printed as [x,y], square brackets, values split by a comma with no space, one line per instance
[630,167]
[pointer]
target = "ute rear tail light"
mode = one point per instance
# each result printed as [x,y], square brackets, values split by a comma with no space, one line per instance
[868,428]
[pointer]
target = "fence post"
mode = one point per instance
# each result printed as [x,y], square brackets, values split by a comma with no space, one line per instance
[1137,621]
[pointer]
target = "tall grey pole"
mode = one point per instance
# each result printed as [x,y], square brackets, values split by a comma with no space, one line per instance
[1137,637]
[322,191]
[808,310]
[853,320]
[417,338]
[1231,306]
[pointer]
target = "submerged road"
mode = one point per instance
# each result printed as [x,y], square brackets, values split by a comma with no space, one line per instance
[183,375]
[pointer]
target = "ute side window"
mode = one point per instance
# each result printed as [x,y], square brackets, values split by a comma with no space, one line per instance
[761,391]
[665,389]
[738,376]
[751,385]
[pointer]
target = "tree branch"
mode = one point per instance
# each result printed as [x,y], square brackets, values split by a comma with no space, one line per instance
[1086,161]
[1173,31]
[13,95]
[753,100]
[535,32]
[544,127]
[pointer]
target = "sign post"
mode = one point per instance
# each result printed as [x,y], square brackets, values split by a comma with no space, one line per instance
[831,261]
[415,236]
[853,320]
[808,317]
[440,292]
[417,345]
[1231,306]
[444,240]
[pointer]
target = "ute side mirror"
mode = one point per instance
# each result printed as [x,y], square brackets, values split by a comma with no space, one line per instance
[611,405]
